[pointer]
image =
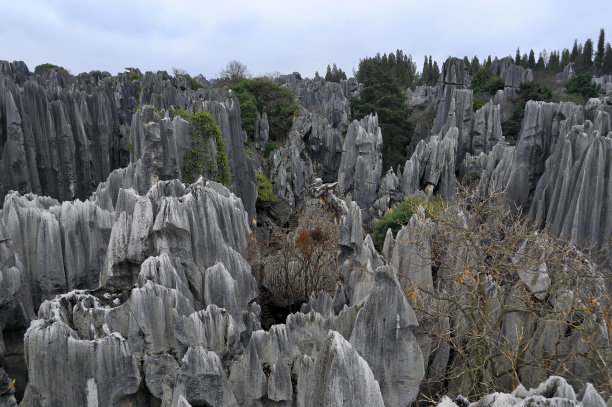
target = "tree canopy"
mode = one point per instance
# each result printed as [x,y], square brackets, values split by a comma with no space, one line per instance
[383,94]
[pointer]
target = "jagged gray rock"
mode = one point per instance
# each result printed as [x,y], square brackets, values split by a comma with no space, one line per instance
[567,73]
[422,96]
[388,343]
[341,377]
[554,392]
[511,74]
[61,139]
[573,195]
[291,170]
[454,76]
[432,163]
[324,144]
[329,99]
[486,129]
[361,163]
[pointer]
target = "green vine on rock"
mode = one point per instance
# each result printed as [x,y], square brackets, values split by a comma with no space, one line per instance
[199,160]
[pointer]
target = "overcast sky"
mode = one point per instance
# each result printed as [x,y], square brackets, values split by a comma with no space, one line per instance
[285,36]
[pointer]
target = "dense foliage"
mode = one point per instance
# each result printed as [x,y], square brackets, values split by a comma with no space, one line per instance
[383,94]
[401,214]
[248,107]
[334,74]
[279,103]
[582,85]
[43,68]
[431,72]
[199,160]
[527,91]
[484,81]
[265,195]
[195,84]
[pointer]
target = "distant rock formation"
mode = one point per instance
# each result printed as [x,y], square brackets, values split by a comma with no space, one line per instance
[511,74]
[329,99]
[62,138]
[567,73]
[361,163]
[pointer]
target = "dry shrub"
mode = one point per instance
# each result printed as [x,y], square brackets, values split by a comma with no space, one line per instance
[509,304]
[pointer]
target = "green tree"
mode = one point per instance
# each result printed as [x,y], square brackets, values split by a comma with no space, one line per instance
[475,64]
[248,107]
[435,72]
[279,103]
[607,61]
[488,63]
[583,86]
[467,64]
[200,160]
[484,81]
[265,194]
[601,50]
[524,60]
[574,53]
[382,94]
[565,58]
[531,62]
[517,57]
[334,74]
[530,90]
[553,62]
[587,56]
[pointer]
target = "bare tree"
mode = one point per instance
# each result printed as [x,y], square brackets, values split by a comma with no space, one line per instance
[505,303]
[293,264]
[234,72]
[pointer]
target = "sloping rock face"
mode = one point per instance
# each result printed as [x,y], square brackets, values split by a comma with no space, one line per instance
[432,163]
[61,139]
[574,194]
[64,135]
[361,163]
[324,144]
[486,129]
[291,170]
[512,74]
[329,99]
[454,76]
[422,96]
[567,73]
[164,92]
[556,169]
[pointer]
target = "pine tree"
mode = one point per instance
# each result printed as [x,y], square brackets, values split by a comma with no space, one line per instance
[475,63]
[488,64]
[574,53]
[436,72]
[540,64]
[466,61]
[382,94]
[426,75]
[328,74]
[524,60]
[531,62]
[607,60]
[553,62]
[517,57]
[565,58]
[587,56]
[601,50]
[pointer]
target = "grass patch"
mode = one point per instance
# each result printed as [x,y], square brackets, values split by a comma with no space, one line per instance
[396,217]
